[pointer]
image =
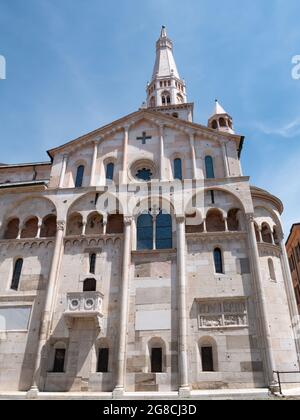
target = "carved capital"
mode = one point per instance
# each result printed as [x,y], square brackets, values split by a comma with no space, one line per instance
[128,220]
[180,219]
[60,225]
[250,218]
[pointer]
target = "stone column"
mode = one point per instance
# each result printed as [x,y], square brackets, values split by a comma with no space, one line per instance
[225,159]
[41,356]
[63,171]
[288,282]
[193,153]
[263,313]
[125,154]
[94,162]
[162,152]
[226,224]
[125,290]
[38,234]
[184,388]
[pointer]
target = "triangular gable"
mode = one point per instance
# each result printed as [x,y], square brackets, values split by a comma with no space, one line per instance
[153,116]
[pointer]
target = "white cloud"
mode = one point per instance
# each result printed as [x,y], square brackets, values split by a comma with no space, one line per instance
[287,130]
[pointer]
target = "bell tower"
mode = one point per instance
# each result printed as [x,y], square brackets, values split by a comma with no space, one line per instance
[167,91]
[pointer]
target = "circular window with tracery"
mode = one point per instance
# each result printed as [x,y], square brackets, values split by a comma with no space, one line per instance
[143,171]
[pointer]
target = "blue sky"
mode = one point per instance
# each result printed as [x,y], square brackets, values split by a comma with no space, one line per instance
[75,65]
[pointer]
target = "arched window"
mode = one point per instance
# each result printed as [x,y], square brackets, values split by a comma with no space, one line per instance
[48,227]
[179,99]
[165,98]
[145,232]
[12,229]
[163,231]
[93,258]
[222,122]
[17,274]
[94,224]
[209,167]
[215,221]
[115,224]
[156,360]
[79,176]
[266,233]
[271,269]
[75,224]
[59,360]
[30,229]
[152,102]
[232,220]
[214,125]
[89,285]
[218,261]
[177,169]
[110,167]
[207,359]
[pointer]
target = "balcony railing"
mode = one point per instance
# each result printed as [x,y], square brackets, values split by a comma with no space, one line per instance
[84,305]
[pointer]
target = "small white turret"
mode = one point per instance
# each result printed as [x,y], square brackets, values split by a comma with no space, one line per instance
[220,120]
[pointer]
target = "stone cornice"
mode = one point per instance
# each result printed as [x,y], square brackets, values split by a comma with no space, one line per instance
[26,243]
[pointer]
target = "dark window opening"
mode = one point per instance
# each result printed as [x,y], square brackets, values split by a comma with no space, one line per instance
[207,359]
[212,196]
[145,232]
[209,166]
[89,285]
[218,261]
[92,263]
[79,176]
[156,360]
[110,171]
[103,357]
[59,361]
[177,169]
[17,274]
[163,231]
[144,174]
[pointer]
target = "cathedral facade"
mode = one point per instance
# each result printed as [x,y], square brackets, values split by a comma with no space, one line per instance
[140,259]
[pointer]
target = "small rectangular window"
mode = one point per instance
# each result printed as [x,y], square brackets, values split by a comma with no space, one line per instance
[103,358]
[156,360]
[59,361]
[207,359]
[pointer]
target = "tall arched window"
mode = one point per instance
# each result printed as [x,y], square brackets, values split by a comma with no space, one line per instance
[145,232]
[165,98]
[209,167]
[110,167]
[218,261]
[93,263]
[177,169]
[17,274]
[271,269]
[79,176]
[163,231]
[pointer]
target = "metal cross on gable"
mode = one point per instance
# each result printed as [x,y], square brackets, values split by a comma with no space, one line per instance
[144,137]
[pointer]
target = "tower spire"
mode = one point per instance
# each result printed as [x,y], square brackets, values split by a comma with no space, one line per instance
[166,87]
